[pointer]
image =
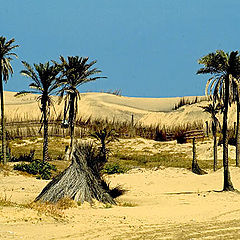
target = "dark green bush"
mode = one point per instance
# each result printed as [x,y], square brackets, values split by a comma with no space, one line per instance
[112,168]
[43,170]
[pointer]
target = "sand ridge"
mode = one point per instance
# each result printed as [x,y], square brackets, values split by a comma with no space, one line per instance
[149,111]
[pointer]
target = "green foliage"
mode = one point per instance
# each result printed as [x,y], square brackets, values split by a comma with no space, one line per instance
[162,159]
[5,56]
[104,134]
[112,168]
[75,71]
[224,68]
[43,170]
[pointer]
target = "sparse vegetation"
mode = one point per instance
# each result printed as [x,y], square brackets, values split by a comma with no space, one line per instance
[116,92]
[187,101]
[24,157]
[107,205]
[112,168]
[43,170]
[127,204]
[48,209]
[123,129]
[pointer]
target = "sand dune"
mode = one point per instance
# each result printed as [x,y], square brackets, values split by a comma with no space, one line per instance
[148,111]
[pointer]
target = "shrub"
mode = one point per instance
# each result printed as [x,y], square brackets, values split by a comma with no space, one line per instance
[112,168]
[43,170]
[24,157]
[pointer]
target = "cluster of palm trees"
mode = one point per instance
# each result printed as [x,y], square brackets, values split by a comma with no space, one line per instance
[65,77]
[223,86]
[51,78]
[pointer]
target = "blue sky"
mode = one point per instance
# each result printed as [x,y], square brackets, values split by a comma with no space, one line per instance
[146,48]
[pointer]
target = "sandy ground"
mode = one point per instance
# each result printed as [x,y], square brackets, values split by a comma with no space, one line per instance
[204,149]
[166,203]
[162,204]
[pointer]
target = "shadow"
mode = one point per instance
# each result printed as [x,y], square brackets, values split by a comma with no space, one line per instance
[186,193]
[114,192]
[199,192]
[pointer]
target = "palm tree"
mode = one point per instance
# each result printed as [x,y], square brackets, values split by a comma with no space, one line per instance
[225,69]
[75,72]
[236,98]
[104,135]
[44,79]
[5,69]
[238,134]
[213,109]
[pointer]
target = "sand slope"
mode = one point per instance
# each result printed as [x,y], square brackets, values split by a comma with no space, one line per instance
[148,111]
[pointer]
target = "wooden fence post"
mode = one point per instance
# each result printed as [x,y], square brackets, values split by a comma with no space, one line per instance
[195,167]
[207,128]
[194,151]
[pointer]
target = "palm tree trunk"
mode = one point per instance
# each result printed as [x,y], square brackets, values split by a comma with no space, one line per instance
[214,145]
[238,135]
[72,118]
[45,138]
[3,120]
[227,184]
[103,151]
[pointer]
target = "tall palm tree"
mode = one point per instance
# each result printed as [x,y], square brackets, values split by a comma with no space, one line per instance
[238,134]
[236,99]
[5,70]
[44,79]
[75,72]
[213,109]
[225,69]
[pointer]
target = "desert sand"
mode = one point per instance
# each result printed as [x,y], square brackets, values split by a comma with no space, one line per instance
[160,203]
[108,106]
[146,111]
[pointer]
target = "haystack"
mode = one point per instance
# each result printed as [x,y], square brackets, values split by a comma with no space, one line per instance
[78,182]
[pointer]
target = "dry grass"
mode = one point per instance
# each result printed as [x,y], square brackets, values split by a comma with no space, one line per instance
[86,126]
[5,201]
[6,169]
[51,209]
[186,101]
[48,209]
[127,204]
